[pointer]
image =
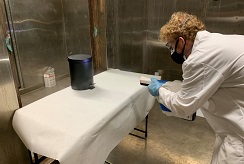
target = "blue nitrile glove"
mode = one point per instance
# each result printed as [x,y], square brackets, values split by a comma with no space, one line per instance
[164,108]
[154,86]
[162,81]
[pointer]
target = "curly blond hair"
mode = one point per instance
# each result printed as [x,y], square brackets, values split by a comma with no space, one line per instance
[181,24]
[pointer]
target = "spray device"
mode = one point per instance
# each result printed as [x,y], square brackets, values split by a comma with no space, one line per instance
[146,81]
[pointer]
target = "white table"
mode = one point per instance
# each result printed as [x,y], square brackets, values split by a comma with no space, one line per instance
[81,127]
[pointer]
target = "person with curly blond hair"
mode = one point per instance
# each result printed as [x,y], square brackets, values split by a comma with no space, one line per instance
[213,81]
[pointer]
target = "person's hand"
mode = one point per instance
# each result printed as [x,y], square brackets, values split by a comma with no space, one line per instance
[154,86]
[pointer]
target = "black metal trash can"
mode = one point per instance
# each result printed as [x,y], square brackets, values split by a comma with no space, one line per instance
[81,71]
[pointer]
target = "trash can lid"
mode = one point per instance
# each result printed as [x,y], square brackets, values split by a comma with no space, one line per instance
[80,57]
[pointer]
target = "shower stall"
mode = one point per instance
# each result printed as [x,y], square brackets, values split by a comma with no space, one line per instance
[123,34]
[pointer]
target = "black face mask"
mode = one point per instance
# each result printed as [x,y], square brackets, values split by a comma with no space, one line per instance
[176,57]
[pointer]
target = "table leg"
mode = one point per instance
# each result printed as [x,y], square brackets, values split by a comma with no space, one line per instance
[30,156]
[143,131]
[38,160]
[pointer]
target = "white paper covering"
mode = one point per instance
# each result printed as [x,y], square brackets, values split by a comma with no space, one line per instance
[81,127]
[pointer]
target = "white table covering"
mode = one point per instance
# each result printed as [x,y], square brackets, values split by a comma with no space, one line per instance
[82,127]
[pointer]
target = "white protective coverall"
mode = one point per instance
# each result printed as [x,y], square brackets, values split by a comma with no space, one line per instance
[213,81]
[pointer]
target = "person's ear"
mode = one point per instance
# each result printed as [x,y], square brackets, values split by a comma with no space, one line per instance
[182,40]
[181,43]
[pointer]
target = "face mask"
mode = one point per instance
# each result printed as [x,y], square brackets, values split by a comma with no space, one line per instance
[176,57]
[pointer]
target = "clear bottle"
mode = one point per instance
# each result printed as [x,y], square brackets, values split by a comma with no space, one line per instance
[49,77]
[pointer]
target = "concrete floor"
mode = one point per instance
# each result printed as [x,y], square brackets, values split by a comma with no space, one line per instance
[170,140]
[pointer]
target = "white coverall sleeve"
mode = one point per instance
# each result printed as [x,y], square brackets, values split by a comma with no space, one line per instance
[200,82]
